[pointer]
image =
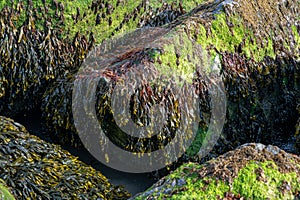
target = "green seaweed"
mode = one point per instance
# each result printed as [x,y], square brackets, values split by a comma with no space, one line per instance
[88,24]
[4,192]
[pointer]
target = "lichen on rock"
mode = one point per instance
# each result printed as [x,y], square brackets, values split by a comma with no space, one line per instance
[252,171]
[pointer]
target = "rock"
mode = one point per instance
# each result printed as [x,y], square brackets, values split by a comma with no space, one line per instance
[260,74]
[252,171]
[168,191]
[35,169]
[254,45]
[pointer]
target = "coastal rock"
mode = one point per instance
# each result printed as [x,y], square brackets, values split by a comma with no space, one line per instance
[251,171]
[260,74]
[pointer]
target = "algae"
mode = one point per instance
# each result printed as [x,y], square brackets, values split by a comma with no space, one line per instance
[253,171]
[4,192]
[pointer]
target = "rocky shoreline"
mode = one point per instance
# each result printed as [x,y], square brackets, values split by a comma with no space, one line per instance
[252,46]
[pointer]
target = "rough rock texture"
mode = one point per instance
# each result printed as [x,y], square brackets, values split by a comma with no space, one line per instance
[252,171]
[34,169]
[256,51]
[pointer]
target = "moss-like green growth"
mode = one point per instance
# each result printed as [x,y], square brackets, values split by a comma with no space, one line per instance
[179,58]
[187,4]
[197,143]
[4,192]
[195,188]
[264,180]
[228,38]
[117,17]
[104,29]
[262,177]
[296,36]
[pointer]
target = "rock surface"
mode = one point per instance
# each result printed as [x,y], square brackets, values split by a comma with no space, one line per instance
[252,171]
[257,55]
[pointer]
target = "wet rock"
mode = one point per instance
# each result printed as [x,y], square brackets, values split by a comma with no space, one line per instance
[238,174]
[262,83]
[181,182]
[168,191]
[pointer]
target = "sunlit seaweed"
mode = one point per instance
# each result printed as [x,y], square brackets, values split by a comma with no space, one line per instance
[35,169]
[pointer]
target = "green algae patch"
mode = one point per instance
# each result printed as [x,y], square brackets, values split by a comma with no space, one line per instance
[234,26]
[102,18]
[262,180]
[107,24]
[197,143]
[4,192]
[122,16]
[187,5]
[178,58]
[252,171]
[228,33]
[193,187]
[297,39]
[257,180]
[182,57]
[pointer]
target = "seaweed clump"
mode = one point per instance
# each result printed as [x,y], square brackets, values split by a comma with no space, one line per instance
[32,58]
[34,169]
[260,72]
[259,49]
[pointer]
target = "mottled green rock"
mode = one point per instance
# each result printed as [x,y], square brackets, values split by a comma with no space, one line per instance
[252,171]
[124,15]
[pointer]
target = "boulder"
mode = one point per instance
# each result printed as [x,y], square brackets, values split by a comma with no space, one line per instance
[256,54]
[251,171]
